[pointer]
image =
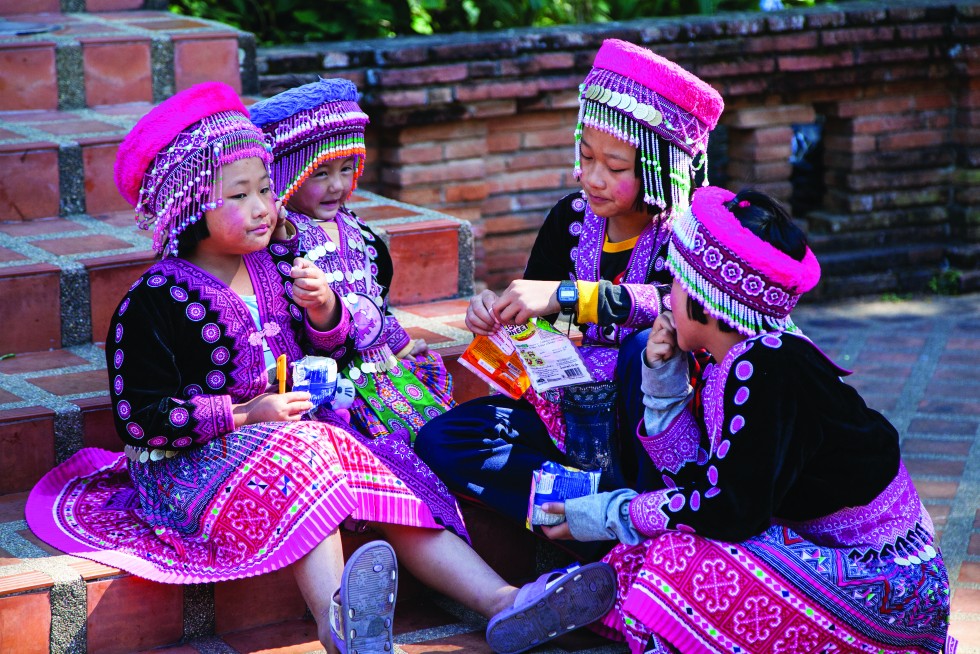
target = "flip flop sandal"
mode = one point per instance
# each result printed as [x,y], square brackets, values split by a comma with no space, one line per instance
[363,610]
[555,604]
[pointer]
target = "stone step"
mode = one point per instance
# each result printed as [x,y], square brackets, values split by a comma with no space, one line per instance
[54,602]
[14,9]
[95,59]
[52,403]
[63,277]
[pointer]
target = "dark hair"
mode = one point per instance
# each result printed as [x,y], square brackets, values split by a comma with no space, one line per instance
[191,237]
[663,152]
[765,217]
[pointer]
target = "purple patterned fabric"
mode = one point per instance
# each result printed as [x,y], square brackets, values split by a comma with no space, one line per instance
[674,446]
[891,516]
[646,305]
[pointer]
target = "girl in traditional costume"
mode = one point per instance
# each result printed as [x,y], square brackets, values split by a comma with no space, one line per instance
[221,477]
[317,133]
[777,515]
[640,143]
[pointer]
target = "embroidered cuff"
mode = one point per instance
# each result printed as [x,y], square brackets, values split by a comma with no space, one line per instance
[397,338]
[212,416]
[676,444]
[647,514]
[588,302]
[645,307]
[333,339]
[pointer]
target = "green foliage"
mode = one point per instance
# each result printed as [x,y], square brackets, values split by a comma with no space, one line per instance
[295,21]
[946,282]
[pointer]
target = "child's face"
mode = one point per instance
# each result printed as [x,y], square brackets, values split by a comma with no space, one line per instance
[245,220]
[608,176]
[324,191]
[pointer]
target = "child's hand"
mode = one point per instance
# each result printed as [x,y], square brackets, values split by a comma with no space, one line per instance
[662,343]
[280,233]
[312,292]
[273,407]
[525,299]
[479,315]
[561,531]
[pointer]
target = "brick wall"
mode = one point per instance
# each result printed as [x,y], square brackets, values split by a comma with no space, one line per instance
[480,125]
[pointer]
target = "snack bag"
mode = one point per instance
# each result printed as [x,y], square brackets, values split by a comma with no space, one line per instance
[557,483]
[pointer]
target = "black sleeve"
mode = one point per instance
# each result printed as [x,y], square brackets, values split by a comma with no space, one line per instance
[150,406]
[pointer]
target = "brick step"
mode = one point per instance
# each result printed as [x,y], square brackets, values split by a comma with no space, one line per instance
[14,9]
[53,403]
[63,277]
[94,59]
[47,596]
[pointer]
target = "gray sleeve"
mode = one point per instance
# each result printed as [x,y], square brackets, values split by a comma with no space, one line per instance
[666,390]
[604,516]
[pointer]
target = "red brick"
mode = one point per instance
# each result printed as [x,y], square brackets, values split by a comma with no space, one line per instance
[243,604]
[535,121]
[539,159]
[722,69]
[911,140]
[549,138]
[443,132]
[426,174]
[413,154]
[783,43]
[422,75]
[759,136]
[760,154]
[426,261]
[131,614]
[117,72]
[25,622]
[922,31]
[772,171]
[109,279]
[496,90]
[425,197]
[771,116]
[815,62]
[466,149]
[857,36]
[491,109]
[867,107]
[29,183]
[466,192]
[969,573]
[402,98]
[851,144]
[26,447]
[101,194]
[211,59]
[522,181]
[503,141]
[32,293]
[27,77]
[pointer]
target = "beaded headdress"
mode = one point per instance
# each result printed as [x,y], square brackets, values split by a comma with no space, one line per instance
[736,276]
[636,96]
[311,124]
[169,165]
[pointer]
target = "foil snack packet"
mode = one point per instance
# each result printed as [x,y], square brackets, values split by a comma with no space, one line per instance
[557,483]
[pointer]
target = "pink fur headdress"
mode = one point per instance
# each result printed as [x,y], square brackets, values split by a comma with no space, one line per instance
[169,165]
[738,278]
[637,96]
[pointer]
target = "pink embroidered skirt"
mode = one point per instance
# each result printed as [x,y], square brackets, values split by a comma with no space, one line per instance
[243,504]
